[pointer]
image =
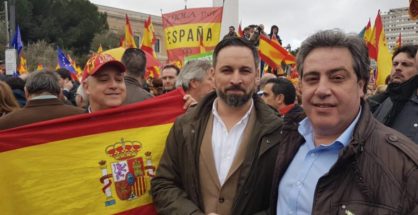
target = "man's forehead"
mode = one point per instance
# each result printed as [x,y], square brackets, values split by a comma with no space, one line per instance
[168,71]
[241,55]
[404,56]
[107,72]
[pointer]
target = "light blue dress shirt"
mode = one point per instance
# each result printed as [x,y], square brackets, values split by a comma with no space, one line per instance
[297,187]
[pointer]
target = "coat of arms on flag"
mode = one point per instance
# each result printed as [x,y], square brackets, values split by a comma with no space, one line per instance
[128,171]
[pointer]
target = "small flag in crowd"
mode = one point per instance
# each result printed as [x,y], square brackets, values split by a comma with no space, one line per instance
[17,41]
[129,41]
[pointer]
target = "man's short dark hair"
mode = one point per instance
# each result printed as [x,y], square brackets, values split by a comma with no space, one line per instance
[15,82]
[232,27]
[238,42]
[338,39]
[64,73]
[285,87]
[43,82]
[171,66]
[135,62]
[409,49]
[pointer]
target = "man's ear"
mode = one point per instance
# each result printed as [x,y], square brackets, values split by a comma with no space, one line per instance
[86,87]
[279,99]
[212,74]
[361,84]
[193,84]
[257,78]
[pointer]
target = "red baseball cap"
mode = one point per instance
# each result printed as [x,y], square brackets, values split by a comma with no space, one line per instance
[97,61]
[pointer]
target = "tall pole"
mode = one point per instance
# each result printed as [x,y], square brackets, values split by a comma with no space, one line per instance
[12,19]
[230,15]
[6,17]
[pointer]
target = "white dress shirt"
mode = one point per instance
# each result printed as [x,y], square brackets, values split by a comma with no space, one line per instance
[225,144]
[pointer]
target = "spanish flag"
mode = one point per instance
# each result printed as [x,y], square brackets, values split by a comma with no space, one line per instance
[147,44]
[184,28]
[98,163]
[129,41]
[370,40]
[273,53]
[40,67]
[100,49]
[240,31]
[23,68]
[399,41]
[384,56]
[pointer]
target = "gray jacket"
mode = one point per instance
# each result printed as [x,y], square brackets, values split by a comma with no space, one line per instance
[406,121]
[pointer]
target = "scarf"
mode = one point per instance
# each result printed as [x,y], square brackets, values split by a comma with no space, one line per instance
[400,94]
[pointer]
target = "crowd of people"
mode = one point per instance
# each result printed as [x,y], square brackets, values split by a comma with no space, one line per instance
[258,145]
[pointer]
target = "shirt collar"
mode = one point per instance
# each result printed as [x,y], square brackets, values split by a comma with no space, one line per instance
[305,129]
[218,117]
[44,97]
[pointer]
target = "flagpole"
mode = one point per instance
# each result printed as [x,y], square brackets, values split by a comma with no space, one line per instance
[6,16]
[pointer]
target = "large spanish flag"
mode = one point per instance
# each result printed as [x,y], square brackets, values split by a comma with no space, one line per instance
[184,29]
[99,163]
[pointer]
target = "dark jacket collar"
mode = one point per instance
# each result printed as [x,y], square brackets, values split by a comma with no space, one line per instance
[132,80]
[293,117]
[43,102]
[364,127]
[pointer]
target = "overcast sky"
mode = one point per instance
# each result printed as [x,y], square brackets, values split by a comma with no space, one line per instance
[296,19]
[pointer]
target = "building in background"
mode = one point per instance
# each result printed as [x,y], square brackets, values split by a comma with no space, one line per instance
[396,21]
[116,22]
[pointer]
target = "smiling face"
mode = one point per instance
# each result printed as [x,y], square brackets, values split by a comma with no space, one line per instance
[105,89]
[330,89]
[235,75]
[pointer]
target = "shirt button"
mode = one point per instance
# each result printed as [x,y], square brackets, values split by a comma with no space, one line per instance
[221,200]
[415,125]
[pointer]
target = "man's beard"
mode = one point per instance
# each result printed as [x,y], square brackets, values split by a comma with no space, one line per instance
[234,100]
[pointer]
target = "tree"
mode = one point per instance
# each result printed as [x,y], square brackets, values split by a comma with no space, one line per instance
[2,39]
[108,40]
[40,53]
[70,24]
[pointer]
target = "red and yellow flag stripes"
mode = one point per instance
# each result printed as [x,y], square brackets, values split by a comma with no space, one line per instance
[273,53]
[129,41]
[99,163]
[184,30]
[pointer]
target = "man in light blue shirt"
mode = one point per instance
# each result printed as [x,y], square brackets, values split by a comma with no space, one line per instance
[344,161]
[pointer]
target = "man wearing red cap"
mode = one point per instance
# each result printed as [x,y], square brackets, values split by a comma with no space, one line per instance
[103,82]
